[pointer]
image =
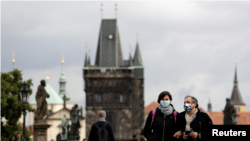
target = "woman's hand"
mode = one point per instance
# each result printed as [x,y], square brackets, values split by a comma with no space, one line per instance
[177,134]
[185,136]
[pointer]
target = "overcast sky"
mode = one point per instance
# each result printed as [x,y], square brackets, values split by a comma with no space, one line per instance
[187,47]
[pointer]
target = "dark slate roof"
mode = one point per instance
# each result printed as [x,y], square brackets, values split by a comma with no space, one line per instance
[236,96]
[109,53]
[137,58]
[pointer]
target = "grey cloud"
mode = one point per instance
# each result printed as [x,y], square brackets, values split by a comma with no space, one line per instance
[187,47]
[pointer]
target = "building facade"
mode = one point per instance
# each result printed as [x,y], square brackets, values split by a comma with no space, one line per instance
[114,85]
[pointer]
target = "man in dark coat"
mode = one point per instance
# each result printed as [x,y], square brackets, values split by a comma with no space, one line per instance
[194,121]
[93,135]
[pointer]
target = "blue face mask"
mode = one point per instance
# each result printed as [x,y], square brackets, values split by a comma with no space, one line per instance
[165,104]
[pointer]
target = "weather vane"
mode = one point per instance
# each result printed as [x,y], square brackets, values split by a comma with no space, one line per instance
[116,11]
[62,59]
[101,9]
[13,59]
[47,77]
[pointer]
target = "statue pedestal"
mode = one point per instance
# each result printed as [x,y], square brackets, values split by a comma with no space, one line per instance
[40,131]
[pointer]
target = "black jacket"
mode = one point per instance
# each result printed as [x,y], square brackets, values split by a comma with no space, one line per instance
[93,131]
[200,125]
[158,125]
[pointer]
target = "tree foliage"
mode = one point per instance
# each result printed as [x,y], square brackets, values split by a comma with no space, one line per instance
[11,106]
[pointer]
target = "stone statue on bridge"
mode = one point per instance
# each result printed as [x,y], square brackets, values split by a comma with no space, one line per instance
[230,114]
[42,106]
[65,124]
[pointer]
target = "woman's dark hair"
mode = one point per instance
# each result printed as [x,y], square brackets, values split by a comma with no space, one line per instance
[17,134]
[163,94]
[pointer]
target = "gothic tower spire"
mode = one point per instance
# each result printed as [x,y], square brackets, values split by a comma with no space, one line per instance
[236,98]
[62,83]
[137,57]
[209,105]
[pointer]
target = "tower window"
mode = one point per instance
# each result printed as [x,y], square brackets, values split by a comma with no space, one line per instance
[121,98]
[98,98]
[237,108]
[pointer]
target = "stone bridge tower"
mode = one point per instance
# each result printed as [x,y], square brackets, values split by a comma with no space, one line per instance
[114,85]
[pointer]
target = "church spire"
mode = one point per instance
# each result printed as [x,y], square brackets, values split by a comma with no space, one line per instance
[86,60]
[236,96]
[86,57]
[209,105]
[137,57]
[62,73]
[62,83]
[235,75]
[130,56]
[88,63]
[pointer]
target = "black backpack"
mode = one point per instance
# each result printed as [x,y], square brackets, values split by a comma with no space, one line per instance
[102,134]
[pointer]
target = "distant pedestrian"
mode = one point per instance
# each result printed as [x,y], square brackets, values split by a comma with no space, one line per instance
[162,120]
[18,137]
[134,138]
[101,130]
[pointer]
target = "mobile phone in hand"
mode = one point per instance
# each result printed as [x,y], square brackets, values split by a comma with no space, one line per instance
[187,132]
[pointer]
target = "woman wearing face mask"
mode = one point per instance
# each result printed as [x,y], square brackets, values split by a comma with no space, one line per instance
[192,122]
[162,126]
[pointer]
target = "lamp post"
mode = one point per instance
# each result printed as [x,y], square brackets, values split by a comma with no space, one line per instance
[235,118]
[24,96]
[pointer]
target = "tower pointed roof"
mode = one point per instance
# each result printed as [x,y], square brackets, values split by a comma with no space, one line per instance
[86,60]
[236,98]
[109,53]
[130,60]
[88,64]
[137,57]
[209,105]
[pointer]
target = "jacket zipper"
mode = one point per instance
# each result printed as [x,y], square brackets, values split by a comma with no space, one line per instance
[163,129]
